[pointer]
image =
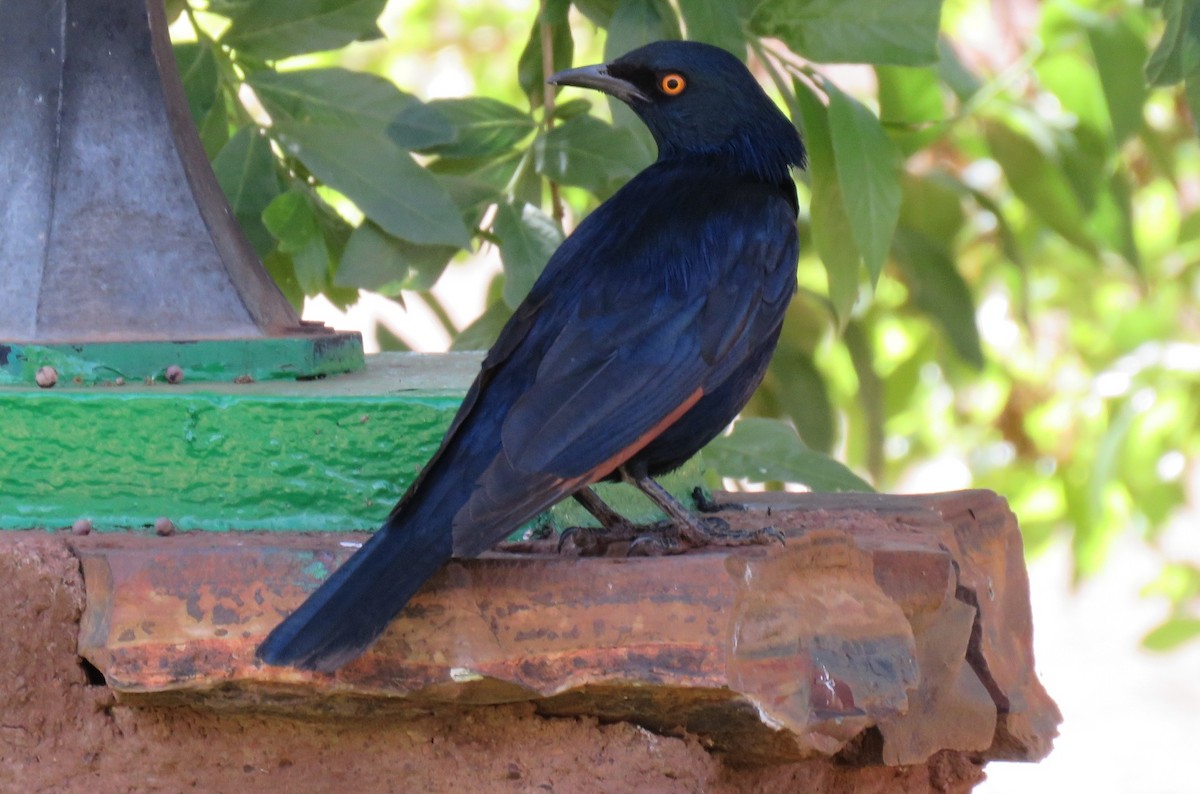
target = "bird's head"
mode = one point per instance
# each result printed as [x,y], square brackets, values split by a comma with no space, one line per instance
[698,100]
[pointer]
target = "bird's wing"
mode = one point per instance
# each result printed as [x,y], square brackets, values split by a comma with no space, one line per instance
[633,357]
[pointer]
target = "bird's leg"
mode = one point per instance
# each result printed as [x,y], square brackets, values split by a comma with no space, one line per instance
[614,527]
[610,519]
[694,531]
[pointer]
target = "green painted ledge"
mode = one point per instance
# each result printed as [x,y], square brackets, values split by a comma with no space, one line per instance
[204,360]
[329,454]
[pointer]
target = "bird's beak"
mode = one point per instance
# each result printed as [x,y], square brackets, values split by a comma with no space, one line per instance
[597,77]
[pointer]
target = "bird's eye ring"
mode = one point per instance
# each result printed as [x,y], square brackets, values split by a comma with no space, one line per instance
[672,84]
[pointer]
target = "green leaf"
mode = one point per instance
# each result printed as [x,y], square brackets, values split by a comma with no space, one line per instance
[1177,55]
[480,334]
[939,290]
[794,385]
[805,399]
[531,72]
[1075,82]
[382,179]
[868,170]
[341,98]
[1192,94]
[377,261]
[311,264]
[638,22]
[1112,219]
[419,127]
[214,130]
[1093,489]
[274,29]
[598,11]
[911,105]
[482,127]
[245,169]
[714,23]
[571,108]
[198,73]
[472,194]
[1118,51]
[832,234]
[1171,634]
[283,273]
[769,450]
[1039,181]
[933,205]
[586,152]
[900,32]
[290,220]
[1004,229]
[869,394]
[388,341]
[957,76]
[527,239]
[494,172]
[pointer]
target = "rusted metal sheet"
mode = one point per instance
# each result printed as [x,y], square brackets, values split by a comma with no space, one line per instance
[865,624]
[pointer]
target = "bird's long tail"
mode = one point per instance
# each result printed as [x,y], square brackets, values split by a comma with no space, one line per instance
[357,602]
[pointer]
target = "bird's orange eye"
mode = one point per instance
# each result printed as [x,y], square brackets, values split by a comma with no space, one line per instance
[672,84]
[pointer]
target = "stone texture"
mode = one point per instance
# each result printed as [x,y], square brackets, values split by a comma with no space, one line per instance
[888,629]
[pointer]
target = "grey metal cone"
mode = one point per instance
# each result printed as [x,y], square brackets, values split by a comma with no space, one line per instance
[112,225]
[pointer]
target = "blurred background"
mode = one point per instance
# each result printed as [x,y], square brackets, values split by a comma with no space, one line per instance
[1000,276]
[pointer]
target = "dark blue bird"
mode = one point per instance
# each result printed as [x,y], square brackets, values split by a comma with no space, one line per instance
[648,330]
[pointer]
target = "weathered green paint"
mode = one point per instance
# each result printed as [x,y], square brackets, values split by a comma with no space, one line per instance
[331,454]
[208,360]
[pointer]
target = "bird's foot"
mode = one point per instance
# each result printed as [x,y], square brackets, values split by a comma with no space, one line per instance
[657,540]
[664,537]
[714,531]
[594,541]
[669,537]
[653,540]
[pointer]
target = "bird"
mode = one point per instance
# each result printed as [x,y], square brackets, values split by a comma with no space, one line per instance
[646,333]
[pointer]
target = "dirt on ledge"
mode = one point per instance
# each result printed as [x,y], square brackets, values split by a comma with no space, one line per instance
[61,732]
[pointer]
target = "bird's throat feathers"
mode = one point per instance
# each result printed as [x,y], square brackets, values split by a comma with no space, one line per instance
[764,154]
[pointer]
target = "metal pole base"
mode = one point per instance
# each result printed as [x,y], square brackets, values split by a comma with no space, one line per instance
[112,225]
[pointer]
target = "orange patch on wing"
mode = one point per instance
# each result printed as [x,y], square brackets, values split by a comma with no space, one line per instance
[642,440]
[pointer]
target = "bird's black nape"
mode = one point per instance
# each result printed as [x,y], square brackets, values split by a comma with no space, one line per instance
[699,101]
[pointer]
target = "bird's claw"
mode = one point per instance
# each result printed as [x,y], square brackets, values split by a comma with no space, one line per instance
[772,535]
[573,534]
[714,531]
[594,541]
[657,545]
[588,541]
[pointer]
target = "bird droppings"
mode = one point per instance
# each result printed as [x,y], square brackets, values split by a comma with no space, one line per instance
[46,377]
